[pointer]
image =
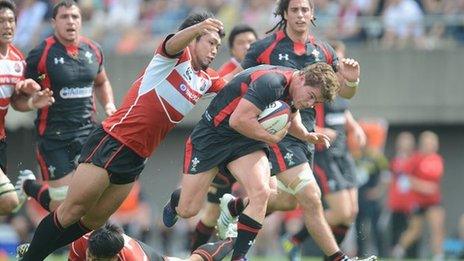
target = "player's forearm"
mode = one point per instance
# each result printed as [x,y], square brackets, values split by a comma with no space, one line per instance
[251,128]
[181,40]
[346,91]
[104,93]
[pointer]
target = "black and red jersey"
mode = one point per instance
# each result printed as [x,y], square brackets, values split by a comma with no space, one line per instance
[260,85]
[279,49]
[70,72]
[332,115]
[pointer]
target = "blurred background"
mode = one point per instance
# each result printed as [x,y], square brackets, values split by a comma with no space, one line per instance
[412,58]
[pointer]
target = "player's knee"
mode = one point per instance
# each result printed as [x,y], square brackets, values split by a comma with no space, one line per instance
[312,199]
[71,213]
[260,195]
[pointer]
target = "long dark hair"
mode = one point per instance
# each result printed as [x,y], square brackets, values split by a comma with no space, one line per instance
[282,7]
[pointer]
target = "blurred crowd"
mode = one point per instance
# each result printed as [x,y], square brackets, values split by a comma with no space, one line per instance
[127,26]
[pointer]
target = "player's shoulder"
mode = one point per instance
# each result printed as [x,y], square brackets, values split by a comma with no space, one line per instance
[16,52]
[213,74]
[270,39]
[89,41]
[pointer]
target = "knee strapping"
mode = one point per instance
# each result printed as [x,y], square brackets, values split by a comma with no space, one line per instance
[296,185]
[58,193]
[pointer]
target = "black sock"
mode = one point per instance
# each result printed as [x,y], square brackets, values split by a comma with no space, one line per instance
[339,232]
[236,207]
[248,228]
[175,199]
[300,236]
[215,251]
[338,256]
[48,231]
[38,191]
[71,233]
[201,235]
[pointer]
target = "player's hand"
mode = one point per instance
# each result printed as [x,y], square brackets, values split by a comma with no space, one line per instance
[318,138]
[110,109]
[27,86]
[209,25]
[331,133]
[42,99]
[278,136]
[350,69]
[360,137]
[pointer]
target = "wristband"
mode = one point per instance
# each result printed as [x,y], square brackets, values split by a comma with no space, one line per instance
[352,84]
[30,104]
[110,106]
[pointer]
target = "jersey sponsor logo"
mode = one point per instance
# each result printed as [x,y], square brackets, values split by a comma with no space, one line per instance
[283,56]
[190,95]
[195,162]
[89,55]
[77,92]
[9,79]
[333,119]
[59,60]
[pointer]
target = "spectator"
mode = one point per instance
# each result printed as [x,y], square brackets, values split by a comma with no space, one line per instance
[403,21]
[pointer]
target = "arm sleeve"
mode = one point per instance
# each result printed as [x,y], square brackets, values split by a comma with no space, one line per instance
[162,50]
[266,89]
[32,63]
[251,58]
[101,65]
[217,82]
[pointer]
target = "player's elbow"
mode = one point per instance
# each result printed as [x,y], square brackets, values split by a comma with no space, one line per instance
[347,92]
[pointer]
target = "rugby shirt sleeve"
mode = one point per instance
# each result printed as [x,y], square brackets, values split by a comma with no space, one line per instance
[251,58]
[32,63]
[265,90]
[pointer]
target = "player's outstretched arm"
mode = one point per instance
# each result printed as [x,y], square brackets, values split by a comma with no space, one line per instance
[40,99]
[349,77]
[181,39]
[104,93]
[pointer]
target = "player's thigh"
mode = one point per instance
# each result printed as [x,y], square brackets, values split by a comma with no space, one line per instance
[107,204]
[435,217]
[87,185]
[339,202]
[195,187]
[251,171]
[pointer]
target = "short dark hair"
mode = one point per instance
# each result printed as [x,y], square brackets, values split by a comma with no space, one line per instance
[196,18]
[239,29]
[282,7]
[6,4]
[65,3]
[106,242]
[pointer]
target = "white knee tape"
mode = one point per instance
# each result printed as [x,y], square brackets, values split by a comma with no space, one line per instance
[6,187]
[304,178]
[58,193]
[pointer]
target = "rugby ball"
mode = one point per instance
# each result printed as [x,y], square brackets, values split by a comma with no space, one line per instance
[275,116]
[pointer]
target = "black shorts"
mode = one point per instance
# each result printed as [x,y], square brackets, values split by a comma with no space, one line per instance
[152,254]
[122,163]
[288,153]
[3,158]
[209,147]
[222,184]
[58,158]
[334,172]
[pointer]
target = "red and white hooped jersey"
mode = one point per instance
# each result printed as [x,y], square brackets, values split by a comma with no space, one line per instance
[231,67]
[11,71]
[167,90]
[132,251]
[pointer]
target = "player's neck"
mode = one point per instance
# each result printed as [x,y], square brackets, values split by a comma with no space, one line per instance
[65,42]
[4,48]
[297,36]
